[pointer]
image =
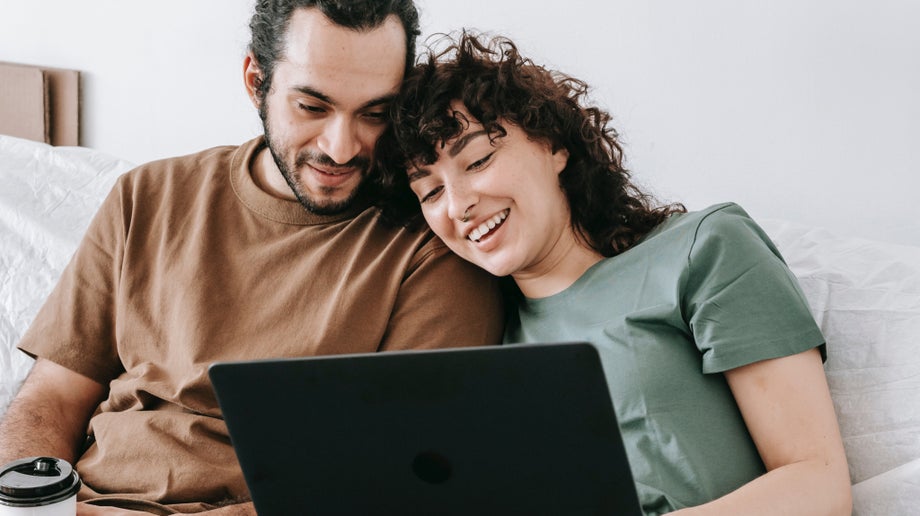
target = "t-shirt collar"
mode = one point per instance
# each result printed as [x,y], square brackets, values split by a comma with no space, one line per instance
[271,207]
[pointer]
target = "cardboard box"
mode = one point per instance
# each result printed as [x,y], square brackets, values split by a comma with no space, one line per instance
[40,103]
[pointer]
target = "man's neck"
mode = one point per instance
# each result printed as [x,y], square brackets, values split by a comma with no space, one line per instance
[268,178]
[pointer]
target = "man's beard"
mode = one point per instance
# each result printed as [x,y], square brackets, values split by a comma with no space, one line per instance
[305,158]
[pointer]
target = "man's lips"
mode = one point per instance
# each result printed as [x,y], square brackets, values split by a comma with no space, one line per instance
[332,176]
[334,171]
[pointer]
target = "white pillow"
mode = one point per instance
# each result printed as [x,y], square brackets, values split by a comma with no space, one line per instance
[47,198]
[866,297]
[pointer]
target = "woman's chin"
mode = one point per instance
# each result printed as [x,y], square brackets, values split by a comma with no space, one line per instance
[492,264]
[495,269]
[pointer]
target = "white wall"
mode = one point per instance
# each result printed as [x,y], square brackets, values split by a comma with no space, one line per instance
[798,109]
[160,78]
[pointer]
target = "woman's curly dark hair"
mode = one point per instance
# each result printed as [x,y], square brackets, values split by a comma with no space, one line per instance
[497,85]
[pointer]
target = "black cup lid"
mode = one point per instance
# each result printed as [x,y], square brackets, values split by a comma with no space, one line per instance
[37,481]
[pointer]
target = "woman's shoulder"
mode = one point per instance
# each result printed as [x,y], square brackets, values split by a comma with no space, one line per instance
[726,230]
[687,225]
[728,221]
[717,228]
[727,217]
[715,214]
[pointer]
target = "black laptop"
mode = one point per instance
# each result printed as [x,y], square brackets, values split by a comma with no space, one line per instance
[516,429]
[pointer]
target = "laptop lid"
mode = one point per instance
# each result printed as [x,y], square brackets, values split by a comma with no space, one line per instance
[516,429]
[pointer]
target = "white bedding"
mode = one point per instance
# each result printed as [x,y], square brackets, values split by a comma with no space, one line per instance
[47,197]
[866,297]
[864,294]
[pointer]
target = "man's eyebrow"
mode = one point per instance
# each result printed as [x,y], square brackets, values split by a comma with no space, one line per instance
[379,101]
[306,90]
[462,142]
[383,99]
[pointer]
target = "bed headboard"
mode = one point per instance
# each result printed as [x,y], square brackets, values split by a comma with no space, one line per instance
[40,103]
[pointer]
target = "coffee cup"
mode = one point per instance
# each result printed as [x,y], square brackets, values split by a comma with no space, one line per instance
[38,486]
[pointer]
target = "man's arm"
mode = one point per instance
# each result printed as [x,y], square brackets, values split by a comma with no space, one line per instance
[787,407]
[50,414]
[445,302]
[243,509]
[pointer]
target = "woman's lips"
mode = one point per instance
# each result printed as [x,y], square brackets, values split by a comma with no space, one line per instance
[485,229]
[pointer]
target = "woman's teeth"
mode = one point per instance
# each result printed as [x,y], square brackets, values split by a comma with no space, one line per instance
[488,225]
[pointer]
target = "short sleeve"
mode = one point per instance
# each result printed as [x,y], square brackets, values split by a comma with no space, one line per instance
[445,301]
[76,326]
[741,301]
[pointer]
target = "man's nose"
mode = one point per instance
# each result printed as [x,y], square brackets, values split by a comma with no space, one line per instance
[339,140]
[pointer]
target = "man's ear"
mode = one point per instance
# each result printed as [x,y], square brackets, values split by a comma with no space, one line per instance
[252,78]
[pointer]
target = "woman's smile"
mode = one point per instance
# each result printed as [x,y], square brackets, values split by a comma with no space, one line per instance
[487,228]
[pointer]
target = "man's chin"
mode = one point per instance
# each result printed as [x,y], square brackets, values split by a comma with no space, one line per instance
[327,206]
[323,199]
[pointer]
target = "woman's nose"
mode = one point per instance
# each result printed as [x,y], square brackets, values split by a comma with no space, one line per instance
[461,203]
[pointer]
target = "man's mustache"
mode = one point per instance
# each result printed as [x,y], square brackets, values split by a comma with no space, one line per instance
[322,159]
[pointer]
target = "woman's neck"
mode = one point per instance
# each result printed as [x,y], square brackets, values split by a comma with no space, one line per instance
[559,270]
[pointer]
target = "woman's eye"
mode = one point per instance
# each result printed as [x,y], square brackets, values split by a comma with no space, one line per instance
[476,165]
[431,195]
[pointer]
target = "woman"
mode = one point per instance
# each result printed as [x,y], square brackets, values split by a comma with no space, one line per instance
[712,357]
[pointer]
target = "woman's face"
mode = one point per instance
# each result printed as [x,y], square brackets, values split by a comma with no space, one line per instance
[497,203]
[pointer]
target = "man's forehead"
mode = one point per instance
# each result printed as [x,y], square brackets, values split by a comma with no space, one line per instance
[349,67]
[338,65]
[312,39]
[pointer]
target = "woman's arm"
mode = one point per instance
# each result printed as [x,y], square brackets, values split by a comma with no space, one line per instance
[787,407]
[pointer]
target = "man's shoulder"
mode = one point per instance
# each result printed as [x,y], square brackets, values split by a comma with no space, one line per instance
[179,180]
[380,228]
[381,234]
[195,163]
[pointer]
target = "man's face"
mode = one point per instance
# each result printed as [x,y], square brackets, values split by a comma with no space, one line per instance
[326,106]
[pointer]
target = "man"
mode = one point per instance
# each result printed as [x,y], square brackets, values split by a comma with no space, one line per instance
[268,249]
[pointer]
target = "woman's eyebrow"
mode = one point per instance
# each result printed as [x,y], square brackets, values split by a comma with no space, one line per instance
[462,142]
[418,174]
[453,150]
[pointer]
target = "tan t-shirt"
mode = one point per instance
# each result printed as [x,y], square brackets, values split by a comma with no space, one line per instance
[188,262]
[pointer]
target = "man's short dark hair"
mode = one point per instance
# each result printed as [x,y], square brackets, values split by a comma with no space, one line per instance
[271,18]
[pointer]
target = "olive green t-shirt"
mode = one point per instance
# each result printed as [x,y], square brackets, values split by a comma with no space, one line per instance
[703,293]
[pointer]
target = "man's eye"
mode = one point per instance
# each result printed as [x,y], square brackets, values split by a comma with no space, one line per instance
[432,195]
[476,165]
[376,116]
[310,108]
